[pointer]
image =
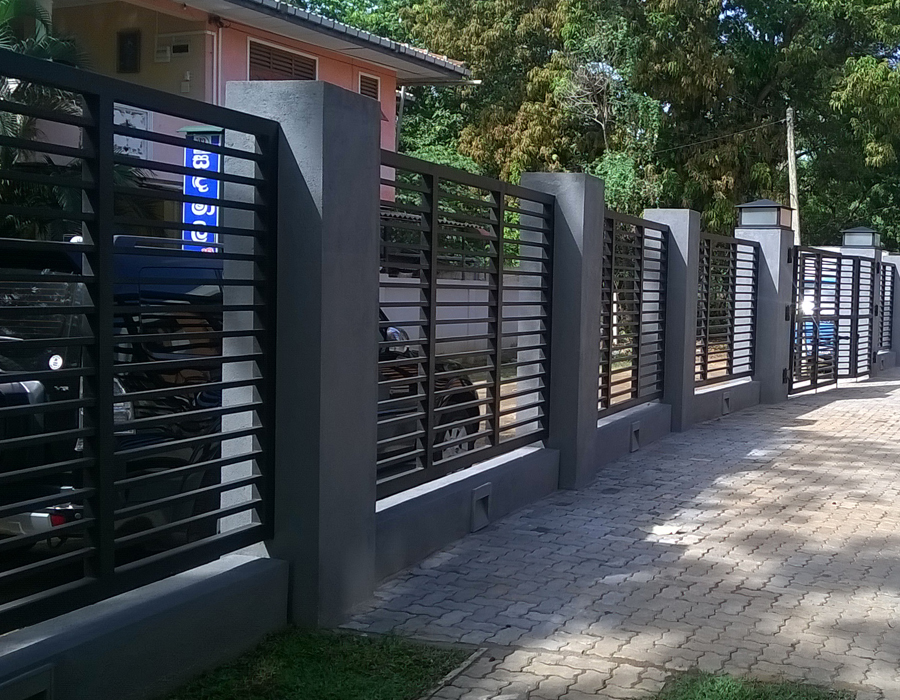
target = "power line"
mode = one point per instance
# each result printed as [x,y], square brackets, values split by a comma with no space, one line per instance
[719,138]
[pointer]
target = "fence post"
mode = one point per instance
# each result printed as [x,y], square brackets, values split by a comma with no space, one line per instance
[326,336]
[681,310]
[775,294]
[575,331]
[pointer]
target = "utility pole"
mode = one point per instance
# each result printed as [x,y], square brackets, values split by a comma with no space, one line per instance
[792,176]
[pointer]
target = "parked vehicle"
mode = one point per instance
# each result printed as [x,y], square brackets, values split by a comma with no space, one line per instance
[154,484]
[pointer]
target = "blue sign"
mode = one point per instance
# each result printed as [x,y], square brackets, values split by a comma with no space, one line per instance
[200,186]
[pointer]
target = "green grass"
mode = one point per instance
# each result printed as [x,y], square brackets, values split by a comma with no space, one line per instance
[703,686]
[300,665]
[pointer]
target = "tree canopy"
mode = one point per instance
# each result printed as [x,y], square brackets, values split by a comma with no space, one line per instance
[675,103]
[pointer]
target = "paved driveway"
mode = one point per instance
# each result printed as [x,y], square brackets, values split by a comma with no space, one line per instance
[764,543]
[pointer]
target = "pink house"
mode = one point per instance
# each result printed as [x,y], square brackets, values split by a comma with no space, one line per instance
[195,47]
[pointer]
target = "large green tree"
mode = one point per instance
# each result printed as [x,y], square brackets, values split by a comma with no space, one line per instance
[672,102]
[735,66]
[681,102]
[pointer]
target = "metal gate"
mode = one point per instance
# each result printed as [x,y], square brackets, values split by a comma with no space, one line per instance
[833,315]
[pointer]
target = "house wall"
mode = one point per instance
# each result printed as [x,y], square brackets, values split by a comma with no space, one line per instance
[219,52]
[333,68]
[96,28]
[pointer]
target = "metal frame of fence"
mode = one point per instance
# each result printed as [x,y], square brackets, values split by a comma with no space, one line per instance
[176,395]
[833,318]
[856,317]
[470,378]
[886,296]
[726,309]
[632,312]
[814,316]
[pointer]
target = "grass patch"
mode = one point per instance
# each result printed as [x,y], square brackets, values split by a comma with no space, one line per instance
[703,686]
[301,665]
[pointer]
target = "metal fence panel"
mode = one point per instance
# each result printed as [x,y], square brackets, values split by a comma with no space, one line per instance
[136,392]
[632,312]
[465,320]
[819,281]
[834,312]
[887,306]
[726,309]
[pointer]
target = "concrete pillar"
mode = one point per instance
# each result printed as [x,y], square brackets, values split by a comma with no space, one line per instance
[681,310]
[775,297]
[575,335]
[327,331]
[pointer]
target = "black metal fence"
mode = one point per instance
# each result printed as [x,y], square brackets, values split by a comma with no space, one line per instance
[886,297]
[632,313]
[814,342]
[834,312]
[856,317]
[465,320]
[726,309]
[136,357]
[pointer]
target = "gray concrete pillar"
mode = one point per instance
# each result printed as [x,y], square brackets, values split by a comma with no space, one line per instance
[681,310]
[327,331]
[575,335]
[775,297]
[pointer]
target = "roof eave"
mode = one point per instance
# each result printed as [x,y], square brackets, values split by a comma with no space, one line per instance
[442,70]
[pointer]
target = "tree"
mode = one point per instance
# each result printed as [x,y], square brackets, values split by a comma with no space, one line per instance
[729,67]
[381,17]
[681,102]
[25,28]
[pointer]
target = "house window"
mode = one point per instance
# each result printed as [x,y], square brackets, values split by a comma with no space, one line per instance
[269,63]
[370,86]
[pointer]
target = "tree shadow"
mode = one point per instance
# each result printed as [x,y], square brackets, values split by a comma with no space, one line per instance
[765,542]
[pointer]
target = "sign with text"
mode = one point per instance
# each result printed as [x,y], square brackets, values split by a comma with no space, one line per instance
[200,186]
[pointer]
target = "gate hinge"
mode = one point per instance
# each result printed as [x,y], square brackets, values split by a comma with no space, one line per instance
[784,376]
[790,255]
[787,312]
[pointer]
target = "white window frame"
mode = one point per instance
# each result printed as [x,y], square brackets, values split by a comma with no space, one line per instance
[368,75]
[280,47]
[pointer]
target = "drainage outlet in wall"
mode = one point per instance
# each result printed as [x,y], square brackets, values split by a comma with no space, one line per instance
[636,436]
[481,507]
[34,685]
[726,403]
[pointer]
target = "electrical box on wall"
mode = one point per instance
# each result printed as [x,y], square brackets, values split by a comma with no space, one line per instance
[163,54]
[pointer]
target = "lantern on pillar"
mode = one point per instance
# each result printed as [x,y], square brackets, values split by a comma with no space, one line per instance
[764,213]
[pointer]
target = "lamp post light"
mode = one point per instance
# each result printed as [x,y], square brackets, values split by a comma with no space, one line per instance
[861,237]
[764,213]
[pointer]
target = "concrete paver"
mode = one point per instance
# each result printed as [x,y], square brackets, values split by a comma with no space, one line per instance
[765,544]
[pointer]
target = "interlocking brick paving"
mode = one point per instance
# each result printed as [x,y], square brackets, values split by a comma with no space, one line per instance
[765,543]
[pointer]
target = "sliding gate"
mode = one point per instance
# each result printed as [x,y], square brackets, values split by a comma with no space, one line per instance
[833,318]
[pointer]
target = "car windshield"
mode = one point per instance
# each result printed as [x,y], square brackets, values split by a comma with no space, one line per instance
[21,325]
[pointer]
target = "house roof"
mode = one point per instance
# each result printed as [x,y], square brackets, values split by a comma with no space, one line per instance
[413,65]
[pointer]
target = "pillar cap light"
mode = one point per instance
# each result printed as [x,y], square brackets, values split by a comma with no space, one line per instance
[764,213]
[861,237]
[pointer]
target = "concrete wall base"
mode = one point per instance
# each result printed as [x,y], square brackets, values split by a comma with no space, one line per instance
[629,431]
[720,400]
[418,522]
[145,643]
